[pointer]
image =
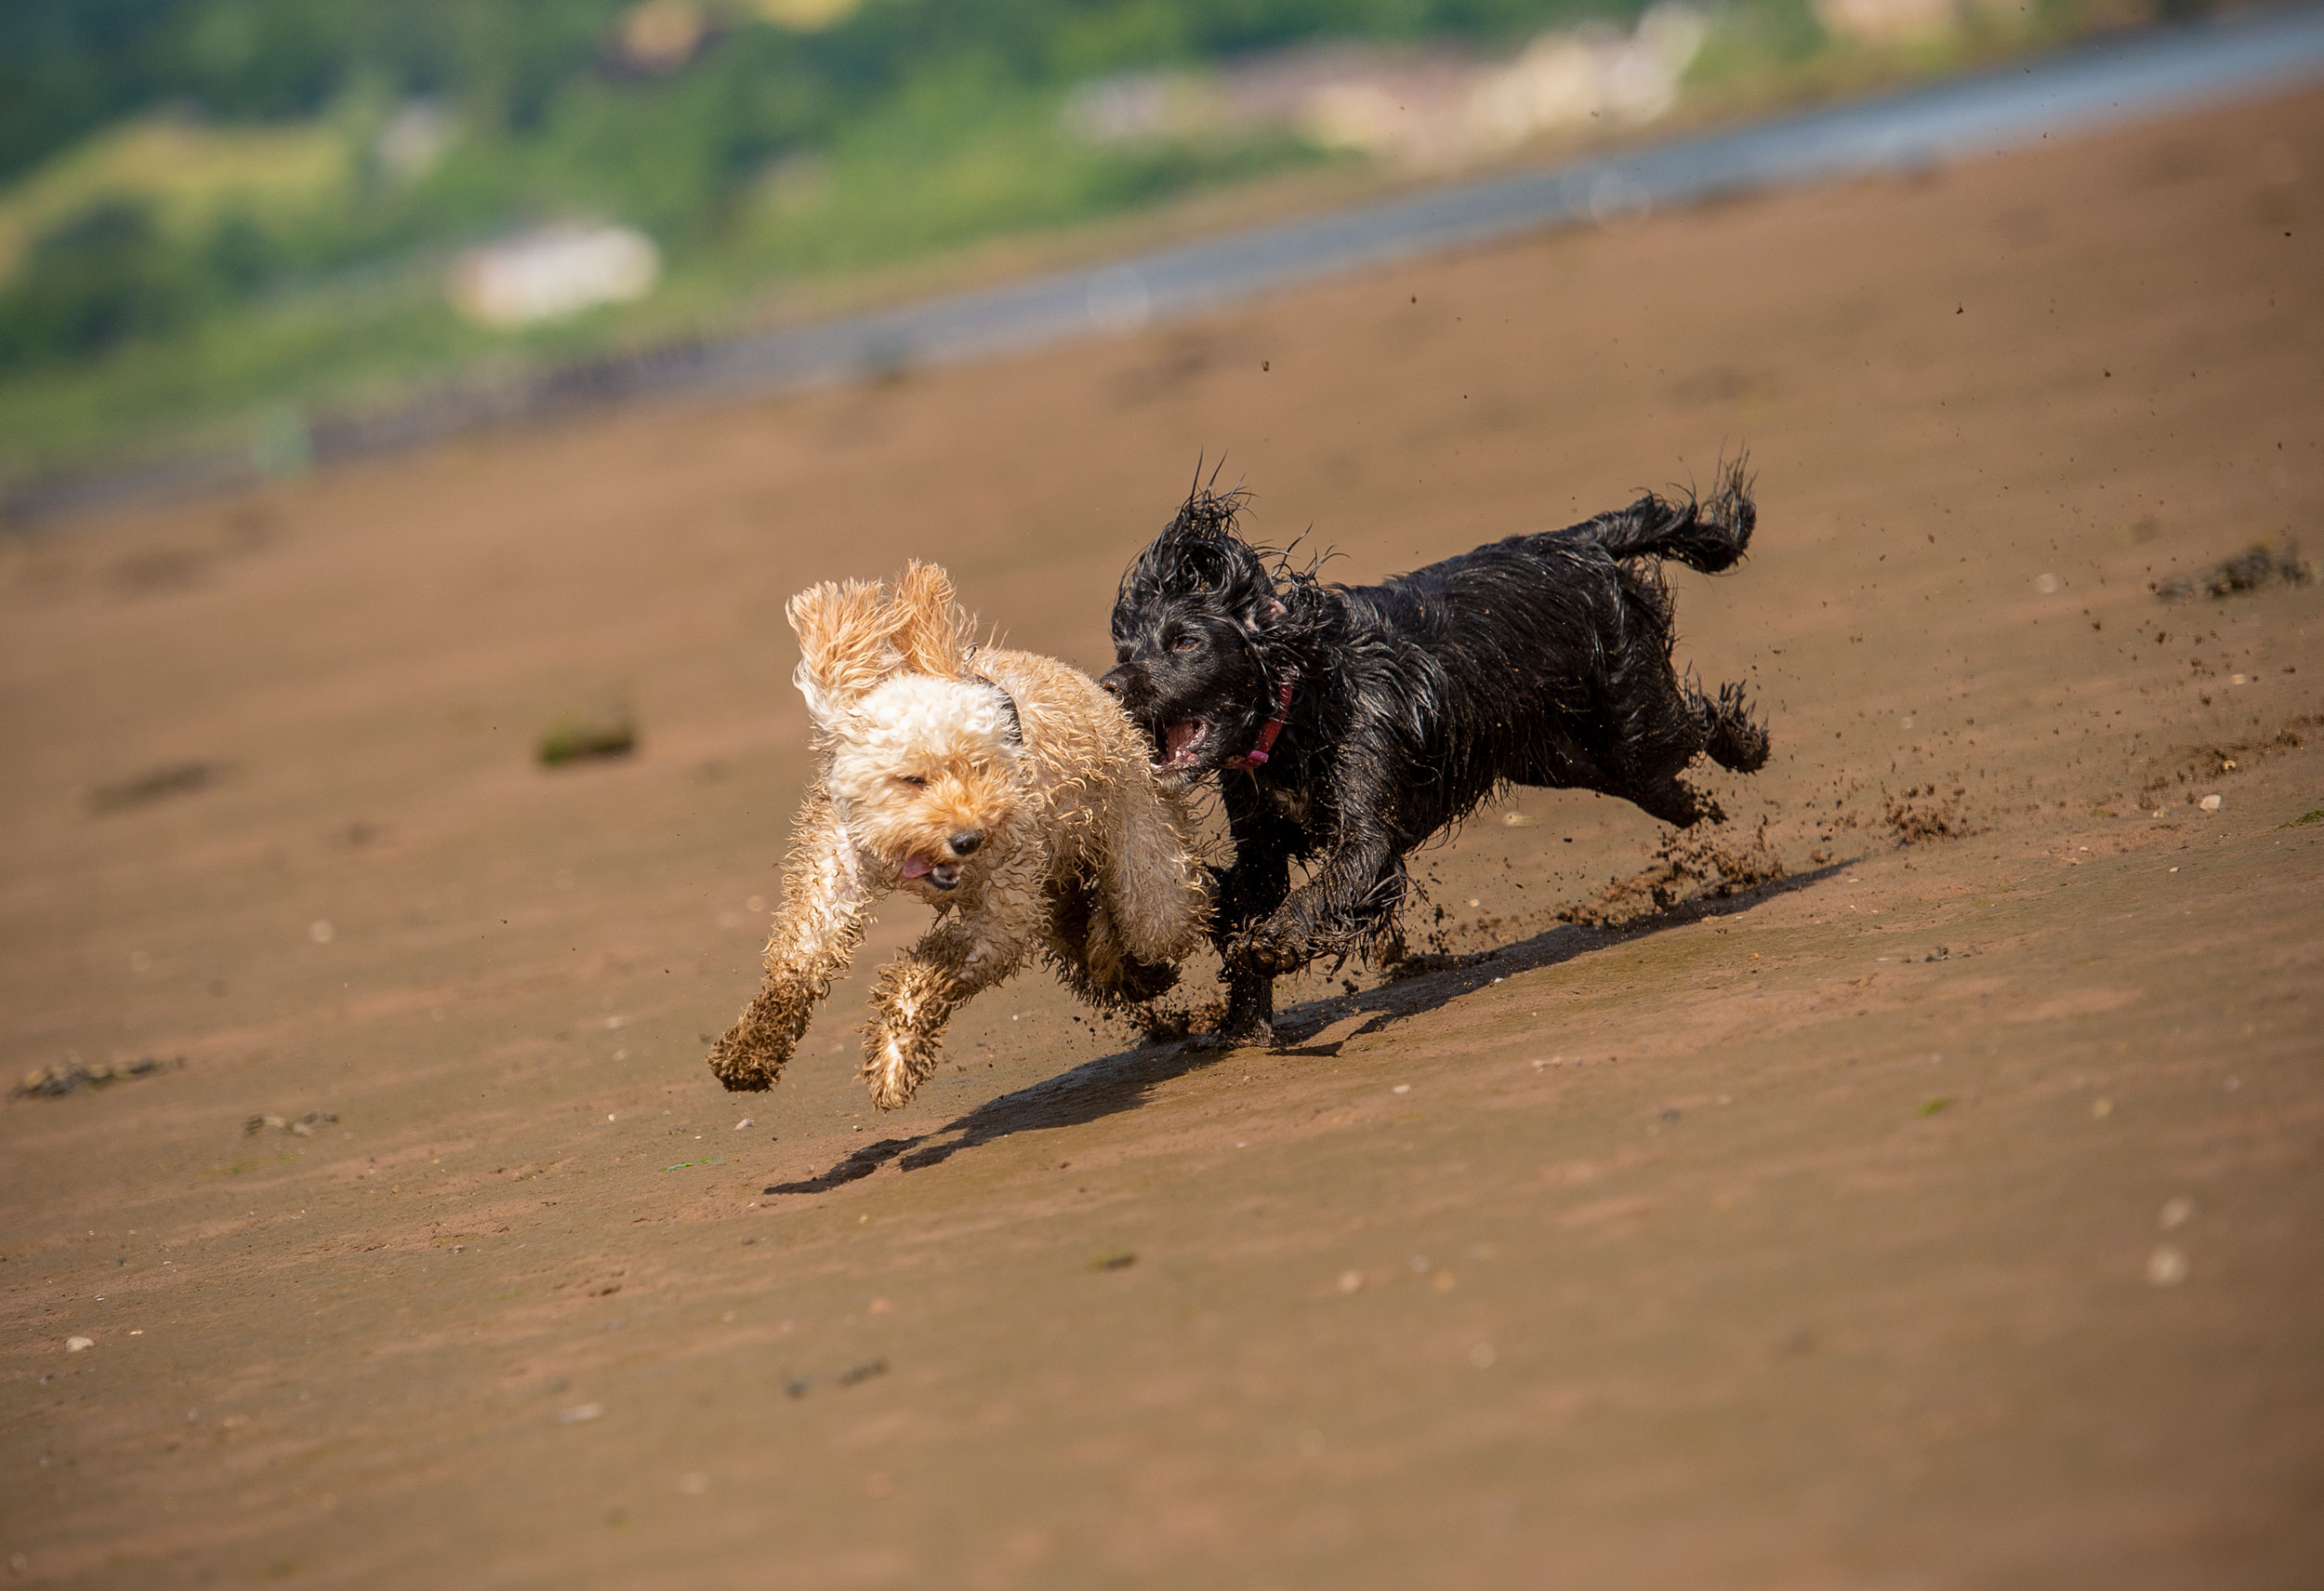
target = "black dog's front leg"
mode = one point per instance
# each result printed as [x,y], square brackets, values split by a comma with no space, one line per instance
[1249,892]
[1342,886]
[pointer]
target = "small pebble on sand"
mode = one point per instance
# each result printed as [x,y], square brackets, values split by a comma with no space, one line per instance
[1401,1088]
[1350,1280]
[2100,1109]
[745,1121]
[2166,1266]
[2211,803]
[74,1345]
[579,1412]
[2176,1212]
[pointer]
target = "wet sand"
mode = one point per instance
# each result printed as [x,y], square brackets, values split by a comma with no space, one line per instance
[1945,1214]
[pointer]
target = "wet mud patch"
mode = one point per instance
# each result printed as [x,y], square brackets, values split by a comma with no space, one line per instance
[153,785]
[2253,569]
[72,1076]
[600,734]
[854,1375]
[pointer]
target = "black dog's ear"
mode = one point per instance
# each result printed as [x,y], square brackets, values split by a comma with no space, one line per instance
[1260,615]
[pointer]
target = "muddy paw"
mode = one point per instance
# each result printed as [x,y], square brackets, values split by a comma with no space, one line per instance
[745,1063]
[1257,1033]
[1270,948]
[895,1065]
[1141,981]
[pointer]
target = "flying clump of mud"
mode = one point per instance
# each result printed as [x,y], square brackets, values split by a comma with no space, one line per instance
[1687,867]
[1922,814]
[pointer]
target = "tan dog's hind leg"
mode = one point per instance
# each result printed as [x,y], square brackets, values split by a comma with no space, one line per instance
[814,938]
[918,992]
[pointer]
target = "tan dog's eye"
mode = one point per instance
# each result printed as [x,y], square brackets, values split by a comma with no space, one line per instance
[913,780]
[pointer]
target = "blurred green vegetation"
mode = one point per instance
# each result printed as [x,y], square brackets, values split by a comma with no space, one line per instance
[209,209]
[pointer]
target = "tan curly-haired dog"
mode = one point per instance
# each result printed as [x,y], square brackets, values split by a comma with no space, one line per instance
[1005,789]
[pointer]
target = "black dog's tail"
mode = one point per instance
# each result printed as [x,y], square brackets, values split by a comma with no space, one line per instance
[1710,534]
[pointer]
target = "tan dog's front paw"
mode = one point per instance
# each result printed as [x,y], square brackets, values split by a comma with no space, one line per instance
[750,1058]
[744,1063]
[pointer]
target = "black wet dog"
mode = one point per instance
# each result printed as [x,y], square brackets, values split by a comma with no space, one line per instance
[1349,724]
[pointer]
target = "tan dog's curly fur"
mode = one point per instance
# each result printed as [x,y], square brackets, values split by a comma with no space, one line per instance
[1004,789]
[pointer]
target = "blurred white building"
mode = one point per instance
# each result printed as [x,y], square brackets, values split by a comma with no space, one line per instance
[1426,107]
[555,270]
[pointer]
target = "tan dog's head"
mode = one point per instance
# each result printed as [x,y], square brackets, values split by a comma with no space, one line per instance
[924,761]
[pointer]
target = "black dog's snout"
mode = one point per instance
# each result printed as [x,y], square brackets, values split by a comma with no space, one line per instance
[965,842]
[1112,683]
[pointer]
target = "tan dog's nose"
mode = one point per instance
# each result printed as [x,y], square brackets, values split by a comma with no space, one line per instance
[965,842]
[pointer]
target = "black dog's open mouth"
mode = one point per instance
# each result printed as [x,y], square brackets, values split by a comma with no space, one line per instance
[943,875]
[1183,745]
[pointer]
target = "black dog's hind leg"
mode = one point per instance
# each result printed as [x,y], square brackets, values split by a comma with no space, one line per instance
[1673,800]
[1732,737]
[1732,733]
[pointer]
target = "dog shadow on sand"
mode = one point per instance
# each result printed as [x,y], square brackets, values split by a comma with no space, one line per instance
[1124,1081]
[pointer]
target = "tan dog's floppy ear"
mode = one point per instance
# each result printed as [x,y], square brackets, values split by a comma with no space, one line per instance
[931,631]
[845,642]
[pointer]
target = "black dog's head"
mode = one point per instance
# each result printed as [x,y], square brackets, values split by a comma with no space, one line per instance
[1198,657]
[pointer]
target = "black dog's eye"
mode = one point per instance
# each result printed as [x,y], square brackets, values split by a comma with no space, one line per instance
[913,780]
[1186,643]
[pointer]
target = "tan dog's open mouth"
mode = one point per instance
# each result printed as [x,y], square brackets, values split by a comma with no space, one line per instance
[943,875]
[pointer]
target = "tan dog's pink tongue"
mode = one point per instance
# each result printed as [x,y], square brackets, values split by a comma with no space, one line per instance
[916,868]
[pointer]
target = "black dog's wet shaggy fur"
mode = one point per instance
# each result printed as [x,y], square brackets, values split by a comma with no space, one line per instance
[1537,661]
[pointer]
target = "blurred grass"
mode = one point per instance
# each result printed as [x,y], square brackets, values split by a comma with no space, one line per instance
[192,171]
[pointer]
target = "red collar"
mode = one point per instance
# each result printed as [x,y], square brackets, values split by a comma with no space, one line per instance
[1257,756]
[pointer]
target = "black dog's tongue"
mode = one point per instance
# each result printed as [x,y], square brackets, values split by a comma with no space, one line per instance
[1181,739]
